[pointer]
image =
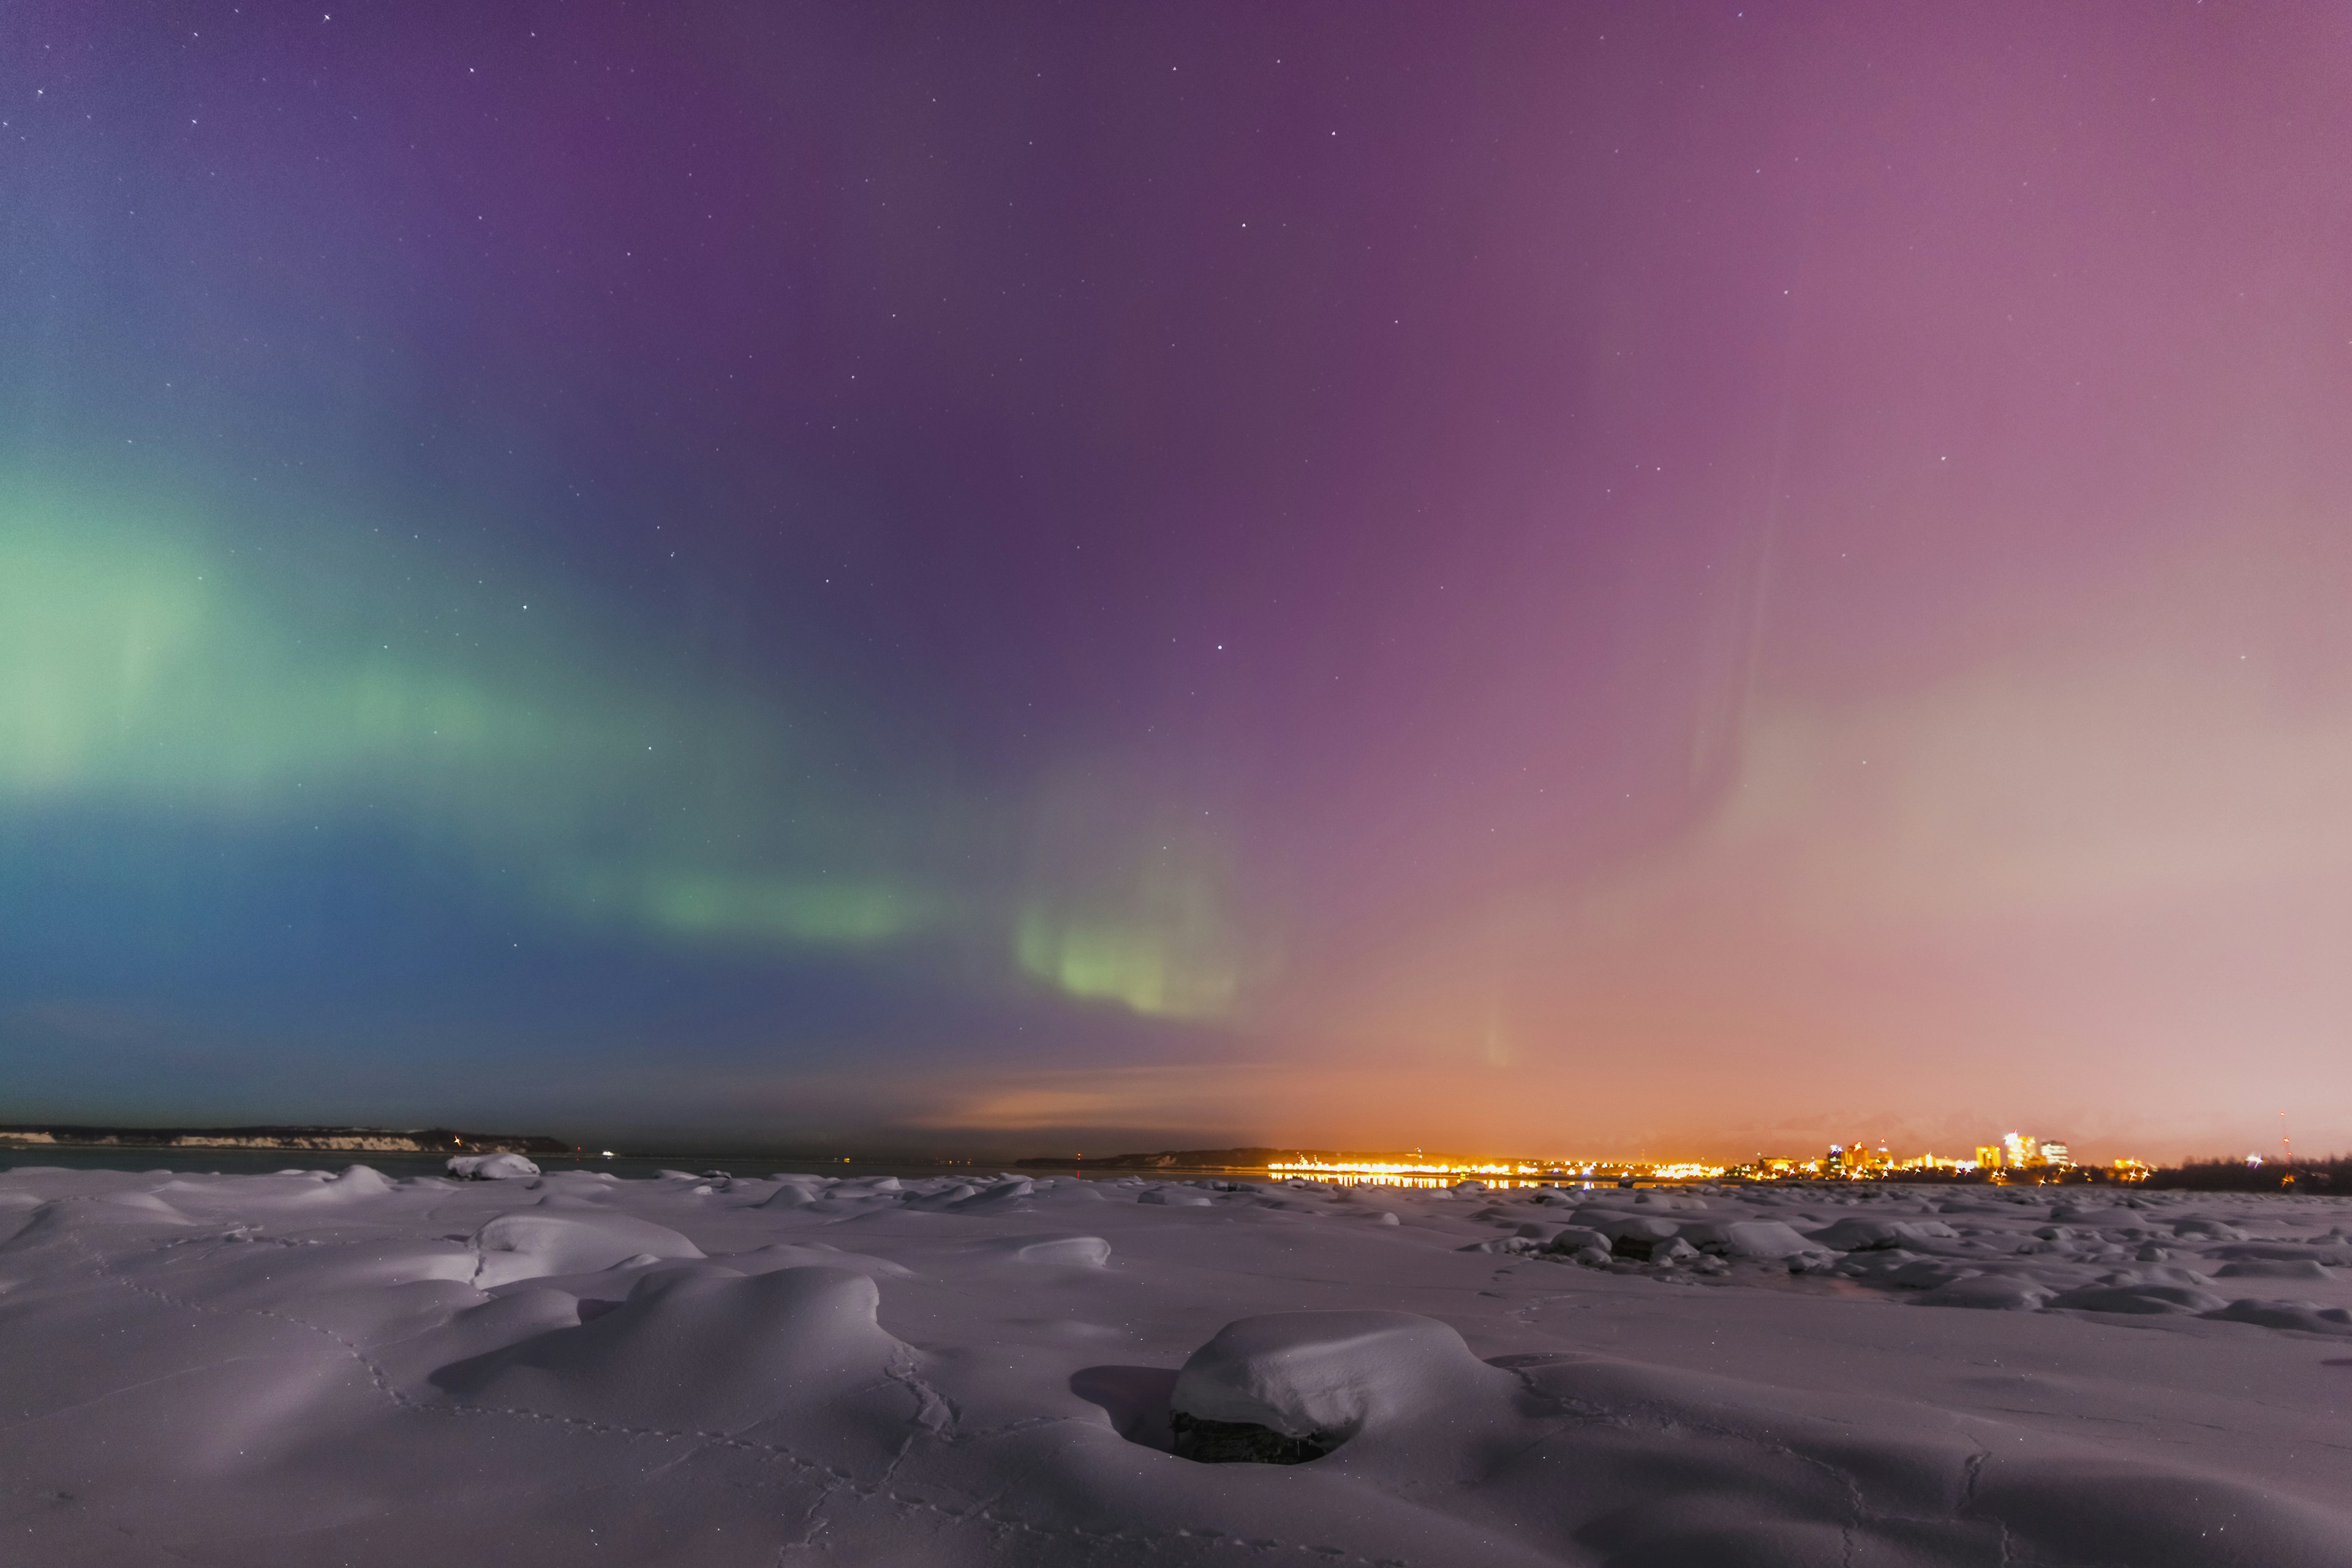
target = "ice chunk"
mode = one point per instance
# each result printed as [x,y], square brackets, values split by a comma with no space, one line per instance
[491,1167]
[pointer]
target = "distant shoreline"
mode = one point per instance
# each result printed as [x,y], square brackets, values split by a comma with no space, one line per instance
[295,1140]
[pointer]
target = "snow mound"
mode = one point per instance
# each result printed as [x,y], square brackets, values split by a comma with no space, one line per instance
[98,1212]
[1666,1467]
[1575,1238]
[354,1185]
[2213,1229]
[2145,1299]
[2094,1511]
[144,1207]
[1005,1193]
[944,1197]
[866,1187]
[1766,1238]
[535,1244]
[796,1192]
[2274,1268]
[1859,1235]
[1997,1292]
[697,1350]
[2308,1317]
[1080,1251]
[1175,1197]
[491,1167]
[1617,1224]
[2335,1254]
[814,1254]
[1329,1376]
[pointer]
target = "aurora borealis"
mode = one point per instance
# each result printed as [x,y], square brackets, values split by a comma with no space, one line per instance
[1547,578]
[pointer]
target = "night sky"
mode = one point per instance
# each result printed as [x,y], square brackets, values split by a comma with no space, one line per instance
[1550,578]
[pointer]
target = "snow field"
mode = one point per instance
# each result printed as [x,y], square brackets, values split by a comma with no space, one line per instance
[311,1368]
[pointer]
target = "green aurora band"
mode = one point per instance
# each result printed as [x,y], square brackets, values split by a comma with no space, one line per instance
[566,755]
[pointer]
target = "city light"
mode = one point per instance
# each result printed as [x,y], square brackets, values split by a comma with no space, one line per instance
[2014,1156]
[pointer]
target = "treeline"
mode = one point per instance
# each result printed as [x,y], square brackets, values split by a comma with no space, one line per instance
[2332,1175]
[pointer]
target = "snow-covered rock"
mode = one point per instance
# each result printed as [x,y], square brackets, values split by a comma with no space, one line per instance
[1330,1374]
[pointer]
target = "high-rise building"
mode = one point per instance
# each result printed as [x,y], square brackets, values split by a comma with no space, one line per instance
[2018,1151]
[1988,1157]
[2055,1155]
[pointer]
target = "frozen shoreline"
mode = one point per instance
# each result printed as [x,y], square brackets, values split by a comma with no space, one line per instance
[303,1368]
